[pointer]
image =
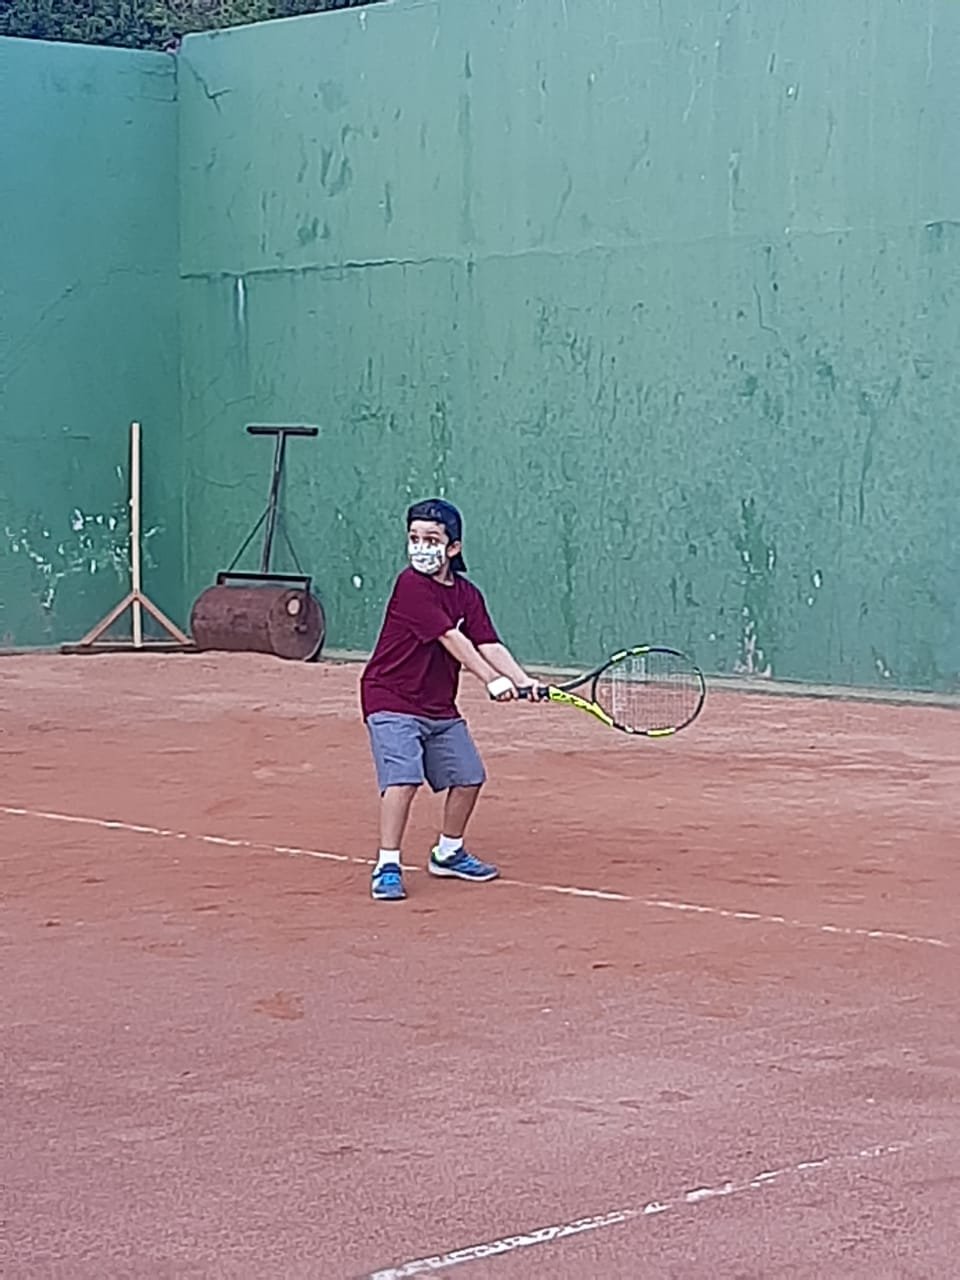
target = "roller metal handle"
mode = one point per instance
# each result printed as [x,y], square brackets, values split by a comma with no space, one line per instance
[255,430]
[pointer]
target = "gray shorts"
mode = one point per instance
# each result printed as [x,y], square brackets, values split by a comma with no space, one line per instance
[410,750]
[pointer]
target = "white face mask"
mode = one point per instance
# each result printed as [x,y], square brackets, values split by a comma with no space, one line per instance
[425,558]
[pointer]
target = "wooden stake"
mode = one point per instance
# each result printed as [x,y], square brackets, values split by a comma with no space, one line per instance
[135,600]
[135,532]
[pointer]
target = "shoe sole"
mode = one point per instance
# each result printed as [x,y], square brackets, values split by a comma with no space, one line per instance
[447,873]
[388,897]
[396,895]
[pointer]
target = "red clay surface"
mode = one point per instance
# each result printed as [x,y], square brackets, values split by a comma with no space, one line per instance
[227,1061]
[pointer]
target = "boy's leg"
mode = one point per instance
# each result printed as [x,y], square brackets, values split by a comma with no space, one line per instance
[397,745]
[457,811]
[452,764]
[394,812]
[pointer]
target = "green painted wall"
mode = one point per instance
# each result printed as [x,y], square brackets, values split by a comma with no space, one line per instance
[667,297]
[88,331]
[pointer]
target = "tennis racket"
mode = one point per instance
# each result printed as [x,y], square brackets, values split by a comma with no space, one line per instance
[648,690]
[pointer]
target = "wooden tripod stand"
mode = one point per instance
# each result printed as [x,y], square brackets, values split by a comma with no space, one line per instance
[134,600]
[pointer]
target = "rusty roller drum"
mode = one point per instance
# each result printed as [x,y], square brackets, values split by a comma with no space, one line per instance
[278,618]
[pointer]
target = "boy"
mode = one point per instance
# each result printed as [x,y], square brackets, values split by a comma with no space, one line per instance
[436,622]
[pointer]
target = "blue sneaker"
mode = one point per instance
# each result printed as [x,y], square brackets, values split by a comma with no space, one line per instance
[386,884]
[461,866]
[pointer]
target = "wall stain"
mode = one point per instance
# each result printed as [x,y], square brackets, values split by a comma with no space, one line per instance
[565,195]
[758,557]
[468,231]
[97,542]
[307,232]
[343,179]
[568,553]
[825,372]
[872,413]
[441,446]
[331,94]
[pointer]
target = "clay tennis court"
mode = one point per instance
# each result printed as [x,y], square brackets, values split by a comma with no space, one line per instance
[706,1025]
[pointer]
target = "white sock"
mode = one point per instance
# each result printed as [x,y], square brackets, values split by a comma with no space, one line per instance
[387,856]
[448,846]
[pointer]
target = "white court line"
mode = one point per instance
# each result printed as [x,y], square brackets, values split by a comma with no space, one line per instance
[563,1230]
[602,895]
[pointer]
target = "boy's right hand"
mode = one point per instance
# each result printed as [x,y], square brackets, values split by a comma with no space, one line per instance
[502,689]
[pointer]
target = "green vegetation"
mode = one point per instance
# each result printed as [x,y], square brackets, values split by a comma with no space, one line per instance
[144,24]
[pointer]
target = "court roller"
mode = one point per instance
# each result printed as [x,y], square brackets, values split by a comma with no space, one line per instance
[276,617]
[263,612]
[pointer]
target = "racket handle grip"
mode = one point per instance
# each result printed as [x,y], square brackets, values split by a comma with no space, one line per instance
[535,691]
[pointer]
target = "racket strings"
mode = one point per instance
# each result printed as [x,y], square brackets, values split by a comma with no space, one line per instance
[651,691]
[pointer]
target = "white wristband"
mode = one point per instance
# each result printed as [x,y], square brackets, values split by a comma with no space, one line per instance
[502,684]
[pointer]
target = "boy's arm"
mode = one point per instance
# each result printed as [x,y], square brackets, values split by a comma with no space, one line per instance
[503,661]
[477,661]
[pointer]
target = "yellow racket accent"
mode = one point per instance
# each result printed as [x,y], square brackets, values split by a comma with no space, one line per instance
[571,700]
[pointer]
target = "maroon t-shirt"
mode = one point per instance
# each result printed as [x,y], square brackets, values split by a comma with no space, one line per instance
[410,671]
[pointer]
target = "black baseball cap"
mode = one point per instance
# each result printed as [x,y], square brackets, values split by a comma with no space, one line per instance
[441,512]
